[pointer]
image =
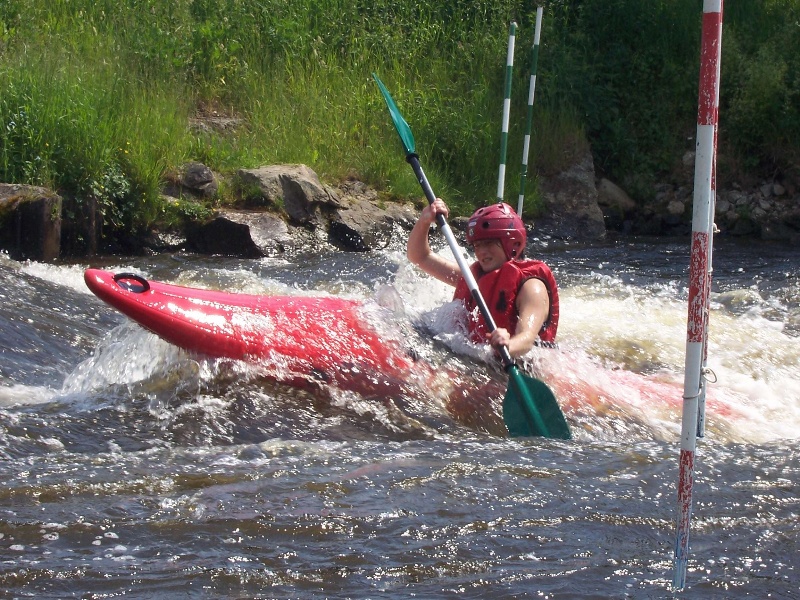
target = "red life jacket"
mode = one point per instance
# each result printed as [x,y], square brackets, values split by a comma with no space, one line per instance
[499,289]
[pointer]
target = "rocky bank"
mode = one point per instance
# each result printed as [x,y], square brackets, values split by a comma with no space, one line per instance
[288,207]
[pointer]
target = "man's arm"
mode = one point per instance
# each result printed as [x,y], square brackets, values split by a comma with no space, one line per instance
[419,251]
[533,306]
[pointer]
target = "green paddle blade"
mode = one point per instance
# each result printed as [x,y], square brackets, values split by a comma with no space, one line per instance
[403,130]
[530,408]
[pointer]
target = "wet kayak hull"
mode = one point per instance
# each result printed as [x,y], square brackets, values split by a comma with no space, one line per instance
[321,338]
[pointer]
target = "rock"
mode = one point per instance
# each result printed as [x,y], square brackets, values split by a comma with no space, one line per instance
[361,223]
[610,195]
[353,216]
[570,199]
[246,234]
[348,217]
[269,232]
[361,226]
[738,198]
[676,208]
[615,203]
[163,241]
[195,180]
[403,215]
[199,180]
[30,222]
[222,236]
[295,188]
[215,124]
[722,207]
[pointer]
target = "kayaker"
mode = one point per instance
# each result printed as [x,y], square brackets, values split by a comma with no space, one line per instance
[522,295]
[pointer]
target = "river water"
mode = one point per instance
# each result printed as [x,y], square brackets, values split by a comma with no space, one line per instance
[134,469]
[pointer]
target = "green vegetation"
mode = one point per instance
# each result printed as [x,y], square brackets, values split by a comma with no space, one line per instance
[96,96]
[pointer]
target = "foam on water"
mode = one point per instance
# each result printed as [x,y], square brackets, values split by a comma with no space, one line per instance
[622,348]
[640,337]
[622,356]
[128,354]
[70,276]
[18,394]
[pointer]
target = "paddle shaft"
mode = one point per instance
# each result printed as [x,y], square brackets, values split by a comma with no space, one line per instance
[466,272]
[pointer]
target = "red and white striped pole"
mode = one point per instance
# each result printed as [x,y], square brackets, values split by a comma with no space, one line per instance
[699,273]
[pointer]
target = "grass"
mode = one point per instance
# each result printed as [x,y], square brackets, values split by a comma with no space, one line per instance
[97,96]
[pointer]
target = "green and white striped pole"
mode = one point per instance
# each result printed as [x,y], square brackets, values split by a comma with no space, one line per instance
[526,145]
[501,180]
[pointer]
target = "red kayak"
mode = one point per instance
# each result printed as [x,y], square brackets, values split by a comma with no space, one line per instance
[307,339]
[313,342]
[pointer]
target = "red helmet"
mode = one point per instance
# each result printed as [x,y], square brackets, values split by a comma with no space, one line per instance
[498,222]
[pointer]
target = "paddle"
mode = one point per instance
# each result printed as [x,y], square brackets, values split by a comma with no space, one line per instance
[529,406]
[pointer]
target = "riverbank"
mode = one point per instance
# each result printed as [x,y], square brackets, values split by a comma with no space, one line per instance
[280,208]
[104,102]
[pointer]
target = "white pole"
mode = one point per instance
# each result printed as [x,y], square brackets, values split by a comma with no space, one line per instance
[501,179]
[699,274]
[526,145]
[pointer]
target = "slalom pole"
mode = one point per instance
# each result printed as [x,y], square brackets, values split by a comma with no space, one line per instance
[501,179]
[699,273]
[701,407]
[526,144]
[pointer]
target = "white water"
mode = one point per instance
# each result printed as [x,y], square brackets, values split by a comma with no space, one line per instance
[622,347]
[124,446]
